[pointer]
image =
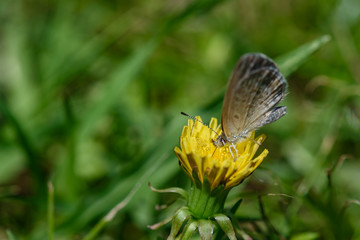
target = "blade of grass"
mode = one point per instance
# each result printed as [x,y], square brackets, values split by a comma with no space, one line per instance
[112,213]
[10,235]
[67,182]
[75,62]
[32,156]
[50,211]
[289,62]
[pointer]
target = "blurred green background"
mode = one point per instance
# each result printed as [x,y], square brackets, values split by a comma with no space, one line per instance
[90,100]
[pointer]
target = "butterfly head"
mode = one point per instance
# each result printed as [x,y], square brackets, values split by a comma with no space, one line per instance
[220,140]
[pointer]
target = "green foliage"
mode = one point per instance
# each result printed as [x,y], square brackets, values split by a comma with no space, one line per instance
[90,100]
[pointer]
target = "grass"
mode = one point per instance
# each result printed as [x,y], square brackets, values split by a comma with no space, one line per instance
[90,100]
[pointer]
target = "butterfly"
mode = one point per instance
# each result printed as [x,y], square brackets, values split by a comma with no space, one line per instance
[255,88]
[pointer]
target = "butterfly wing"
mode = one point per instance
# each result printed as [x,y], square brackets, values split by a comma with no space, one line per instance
[255,88]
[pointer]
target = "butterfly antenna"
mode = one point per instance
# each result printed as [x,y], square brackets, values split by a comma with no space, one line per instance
[195,119]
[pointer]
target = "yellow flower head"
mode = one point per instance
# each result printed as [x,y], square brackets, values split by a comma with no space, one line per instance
[198,155]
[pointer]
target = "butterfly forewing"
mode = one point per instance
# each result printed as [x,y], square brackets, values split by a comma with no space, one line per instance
[255,88]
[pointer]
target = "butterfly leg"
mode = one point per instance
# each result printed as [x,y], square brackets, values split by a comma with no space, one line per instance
[254,141]
[237,154]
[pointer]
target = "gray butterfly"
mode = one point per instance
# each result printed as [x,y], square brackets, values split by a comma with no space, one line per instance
[255,88]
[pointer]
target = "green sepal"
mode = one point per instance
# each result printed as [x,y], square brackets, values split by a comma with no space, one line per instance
[203,201]
[226,225]
[206,229]
[236,206]
[188,230]
[196,179]
[179,191]
[216,201]
[160,224]
[181,216]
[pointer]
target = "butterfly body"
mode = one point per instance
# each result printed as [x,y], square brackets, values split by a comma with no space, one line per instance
[255,88]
